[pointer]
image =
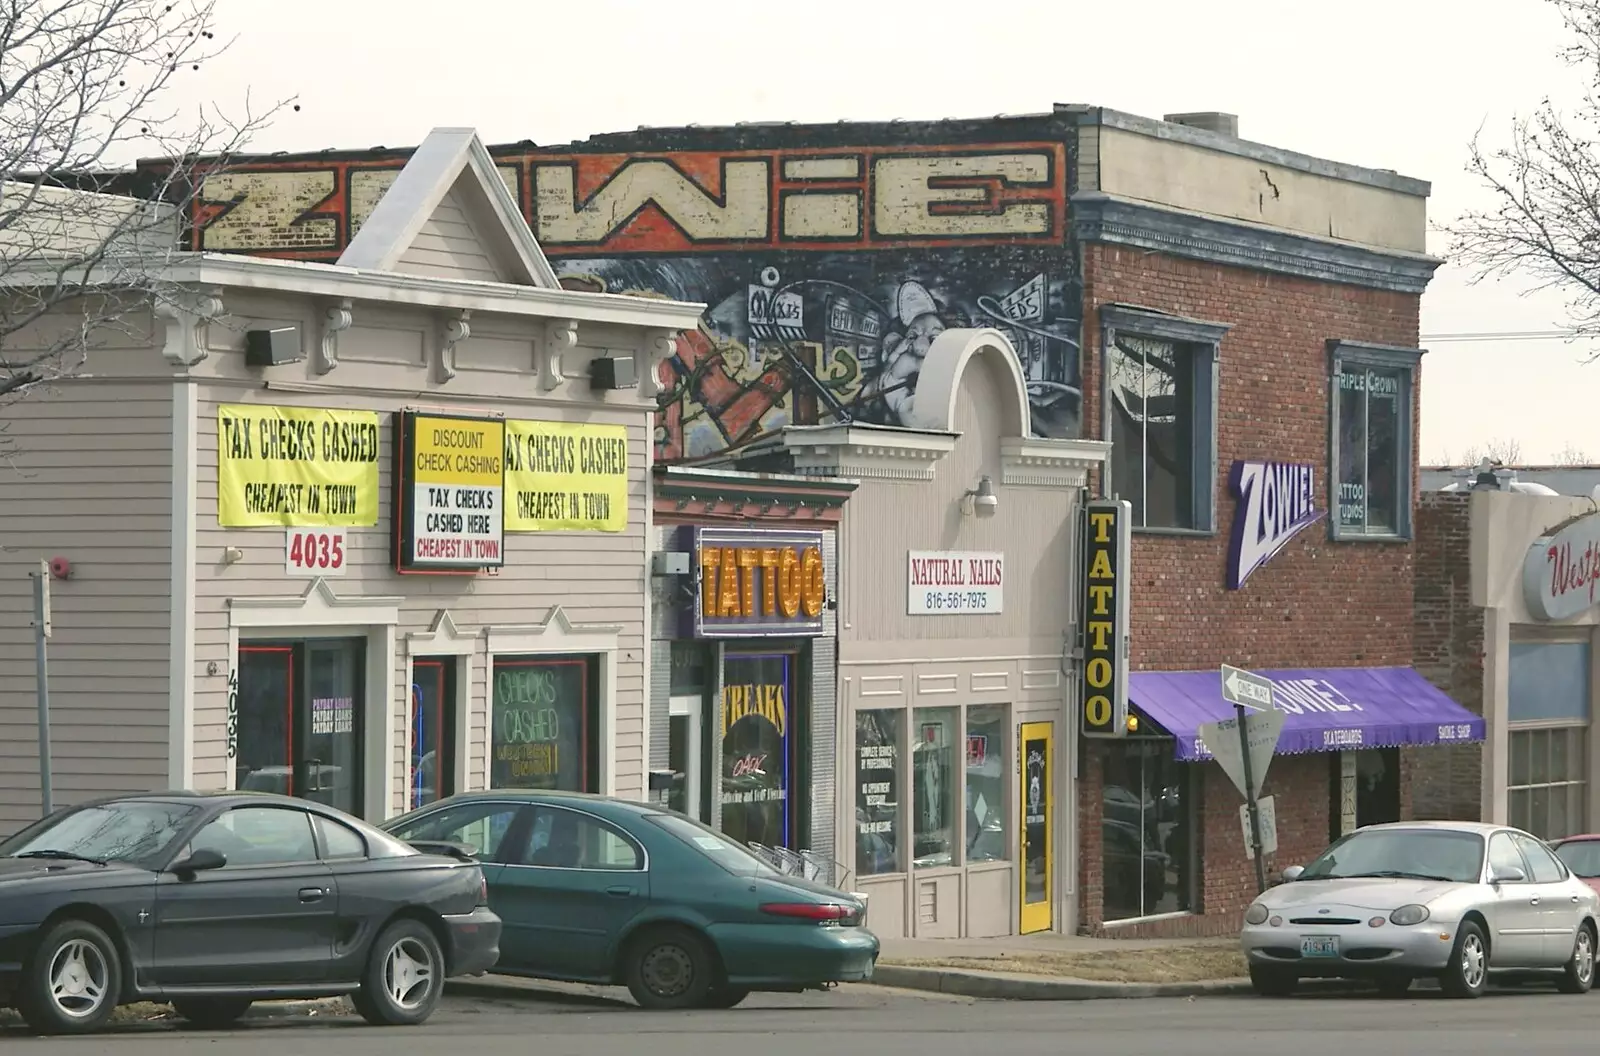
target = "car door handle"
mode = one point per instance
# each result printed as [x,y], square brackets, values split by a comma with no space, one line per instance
[1533,901]
[620,891]
[311,894]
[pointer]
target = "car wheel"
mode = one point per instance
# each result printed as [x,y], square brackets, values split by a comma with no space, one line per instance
[724,997]
[1272,982]
[1468,971]
[212,1013]
[669,968]
[1578,976]
[73,981]
[404,978]
[1394,985]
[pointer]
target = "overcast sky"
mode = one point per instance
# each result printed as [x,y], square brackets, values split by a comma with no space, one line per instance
[1394,84]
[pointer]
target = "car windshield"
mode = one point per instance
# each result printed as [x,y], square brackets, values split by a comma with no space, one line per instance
[1582,857]
[730,854]
[126,832]
[1417,854]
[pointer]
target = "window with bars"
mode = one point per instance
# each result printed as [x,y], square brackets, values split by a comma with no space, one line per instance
[1548,791]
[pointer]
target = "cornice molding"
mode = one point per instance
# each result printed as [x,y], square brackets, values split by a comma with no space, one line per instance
[1103,218]
[1036,462]
[863,451]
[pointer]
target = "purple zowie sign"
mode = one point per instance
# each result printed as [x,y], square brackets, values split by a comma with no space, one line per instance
[1274,502]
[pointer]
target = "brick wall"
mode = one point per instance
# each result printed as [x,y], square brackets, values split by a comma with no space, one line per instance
[1317,604]
[1448,645]
[1301,785]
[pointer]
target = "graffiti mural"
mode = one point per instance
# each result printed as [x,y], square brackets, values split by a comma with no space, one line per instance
[800,339]
[828,271]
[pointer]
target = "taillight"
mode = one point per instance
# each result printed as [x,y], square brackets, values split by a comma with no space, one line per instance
[820,912]
[483,890]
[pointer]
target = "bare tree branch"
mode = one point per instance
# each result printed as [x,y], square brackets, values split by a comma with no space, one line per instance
[83,83]
[1573,455]
[1498,451]
[1544,182]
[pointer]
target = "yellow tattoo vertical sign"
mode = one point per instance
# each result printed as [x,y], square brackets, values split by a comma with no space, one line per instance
[1107,540]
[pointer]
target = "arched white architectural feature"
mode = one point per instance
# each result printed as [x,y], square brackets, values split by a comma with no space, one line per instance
[934,405]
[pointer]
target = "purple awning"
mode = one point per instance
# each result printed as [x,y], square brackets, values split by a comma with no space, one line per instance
[1324,709]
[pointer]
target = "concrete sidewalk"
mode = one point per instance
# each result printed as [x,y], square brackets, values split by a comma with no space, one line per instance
[1028,945]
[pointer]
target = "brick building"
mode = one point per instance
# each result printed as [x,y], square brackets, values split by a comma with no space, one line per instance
[1238,321]
[1506,623]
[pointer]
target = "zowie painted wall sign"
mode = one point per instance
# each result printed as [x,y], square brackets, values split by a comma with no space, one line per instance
[1561,574]
[1275,501]
[750,582]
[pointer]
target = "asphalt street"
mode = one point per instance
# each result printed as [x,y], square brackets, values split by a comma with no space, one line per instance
[900,1023]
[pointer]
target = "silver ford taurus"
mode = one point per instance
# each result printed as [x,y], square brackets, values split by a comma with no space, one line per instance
[1455,900]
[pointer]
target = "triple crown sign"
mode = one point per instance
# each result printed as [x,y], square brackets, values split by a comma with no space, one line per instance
[1107,543]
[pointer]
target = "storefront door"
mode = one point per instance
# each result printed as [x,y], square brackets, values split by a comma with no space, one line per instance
[760,748]
[432,769]
[299,719]
[1035,781]
[685,753]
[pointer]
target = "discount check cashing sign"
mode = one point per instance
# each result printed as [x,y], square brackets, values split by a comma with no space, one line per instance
[451,487]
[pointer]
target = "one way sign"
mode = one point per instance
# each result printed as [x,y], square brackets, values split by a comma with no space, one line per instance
[1246,688]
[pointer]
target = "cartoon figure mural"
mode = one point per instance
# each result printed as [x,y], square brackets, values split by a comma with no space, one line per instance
[837,337]
[827,270]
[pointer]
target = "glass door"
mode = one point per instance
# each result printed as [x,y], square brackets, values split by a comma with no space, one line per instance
[433,725]
[685,754]
[299,719]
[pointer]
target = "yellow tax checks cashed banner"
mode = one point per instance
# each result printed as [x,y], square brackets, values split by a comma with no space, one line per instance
[296,467]
[449,492]
[562,476]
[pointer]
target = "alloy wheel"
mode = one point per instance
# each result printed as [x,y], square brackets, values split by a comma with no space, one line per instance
[1583,956]
[408,973]
[79,979]
[1472,961]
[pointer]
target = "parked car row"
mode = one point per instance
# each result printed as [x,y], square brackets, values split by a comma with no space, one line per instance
[212,901]
[1465,903]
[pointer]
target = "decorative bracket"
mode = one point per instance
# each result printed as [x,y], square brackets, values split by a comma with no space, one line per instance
[451,333]
[660,346]
[188,317]
[335,321]
[560,337]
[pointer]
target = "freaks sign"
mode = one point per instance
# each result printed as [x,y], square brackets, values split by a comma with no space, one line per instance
[1275,501]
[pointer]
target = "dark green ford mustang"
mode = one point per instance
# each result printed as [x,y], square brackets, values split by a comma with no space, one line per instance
[602,890]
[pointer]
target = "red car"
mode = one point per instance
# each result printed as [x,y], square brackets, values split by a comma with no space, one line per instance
[1582,855]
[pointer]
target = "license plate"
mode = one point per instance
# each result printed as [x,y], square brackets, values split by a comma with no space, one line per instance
[1319,946]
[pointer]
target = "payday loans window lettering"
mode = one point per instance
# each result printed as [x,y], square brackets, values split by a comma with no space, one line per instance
[296,467]
[563,476]
[450,493]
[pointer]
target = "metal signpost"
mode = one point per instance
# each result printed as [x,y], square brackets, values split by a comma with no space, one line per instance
[41,633]
[1243,747]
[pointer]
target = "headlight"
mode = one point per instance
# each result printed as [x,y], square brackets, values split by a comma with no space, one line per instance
[1409,915]
[1256,914]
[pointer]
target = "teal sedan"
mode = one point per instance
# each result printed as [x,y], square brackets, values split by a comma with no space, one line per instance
[598,890]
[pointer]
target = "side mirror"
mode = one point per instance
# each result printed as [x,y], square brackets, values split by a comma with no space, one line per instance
[1508,875]
[1292,873]
[200,861]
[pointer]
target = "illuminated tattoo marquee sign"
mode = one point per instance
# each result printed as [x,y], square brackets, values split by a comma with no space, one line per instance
[750,583]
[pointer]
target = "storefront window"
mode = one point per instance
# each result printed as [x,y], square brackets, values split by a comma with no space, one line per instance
[1549,789]
[933,786]
[986,784]
[757,747]
[1548,708]
[1371,453]
[878,791]
[544,719]
[1147,830]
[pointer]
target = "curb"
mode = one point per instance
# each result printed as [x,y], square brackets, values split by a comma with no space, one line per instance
[1004,987]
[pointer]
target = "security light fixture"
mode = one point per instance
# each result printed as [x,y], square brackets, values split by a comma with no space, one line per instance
[981,499]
